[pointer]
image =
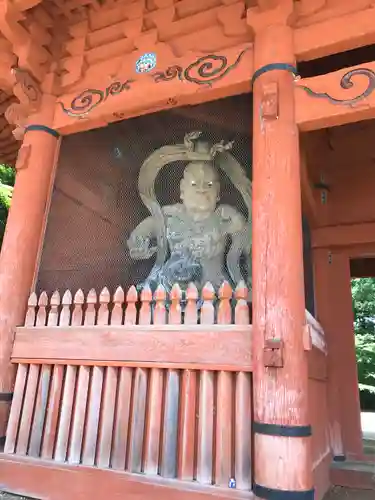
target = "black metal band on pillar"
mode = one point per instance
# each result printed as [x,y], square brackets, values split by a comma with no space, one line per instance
[270,494]
[6,396]
[282,430]
[275,67]
[42,128]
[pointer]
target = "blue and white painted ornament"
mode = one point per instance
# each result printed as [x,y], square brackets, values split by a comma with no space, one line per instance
[232,483]
[146,63]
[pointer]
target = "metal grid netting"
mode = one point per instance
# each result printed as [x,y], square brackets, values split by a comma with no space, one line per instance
[96,204]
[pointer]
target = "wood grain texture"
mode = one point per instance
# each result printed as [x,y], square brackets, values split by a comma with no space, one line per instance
[40,411]
[45,480]
[16,408]
[53,410]
[228,345]
[28,410]
[107,418]
[122,419]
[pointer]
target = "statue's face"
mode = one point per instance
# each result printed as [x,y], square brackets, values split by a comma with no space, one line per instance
[200,188]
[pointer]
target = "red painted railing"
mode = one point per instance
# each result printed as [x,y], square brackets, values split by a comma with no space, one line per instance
[151,384]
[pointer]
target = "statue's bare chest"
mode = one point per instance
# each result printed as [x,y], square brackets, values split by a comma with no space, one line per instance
[201,237]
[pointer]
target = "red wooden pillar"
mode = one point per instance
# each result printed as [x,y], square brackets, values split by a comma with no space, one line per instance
[283,461]
[335,312]
[22,237]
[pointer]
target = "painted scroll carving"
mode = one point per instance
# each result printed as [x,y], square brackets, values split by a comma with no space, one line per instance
[204,71]
[189,239]
[89,99]
[347,83]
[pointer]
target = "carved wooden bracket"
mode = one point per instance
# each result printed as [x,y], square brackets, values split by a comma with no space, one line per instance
[273,353]
[27,91]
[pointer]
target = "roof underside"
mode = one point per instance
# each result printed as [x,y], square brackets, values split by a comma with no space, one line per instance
[59,36]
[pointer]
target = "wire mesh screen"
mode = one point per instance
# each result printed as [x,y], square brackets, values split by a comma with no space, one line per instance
[96,202]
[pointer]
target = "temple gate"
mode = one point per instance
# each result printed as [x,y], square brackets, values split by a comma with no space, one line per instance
[179,243]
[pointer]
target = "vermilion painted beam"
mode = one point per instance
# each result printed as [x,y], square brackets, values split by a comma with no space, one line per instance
[145,95]
[323,101]
[219,347]
[344,235]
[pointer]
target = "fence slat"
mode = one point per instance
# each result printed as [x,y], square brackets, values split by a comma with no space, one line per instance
[154,397]
[53,315]
[93,413]
[117,315]
[122,404]
[187,428]
[81,391]
[41,317]
[53,409]
[206,400]
[224,431]
[242,403]
[79,413]
[16,408]
[31,310]
[153,422]
[138,413]
[243,431]
[28,410]
[188,411]
[66,414]
[131,308]
[224,402]
[191,311]
[107,417]
[103,311]
[241,312]
[67,399]
[66,304]
[172,396]
[96,381]
[170,424]
[122,419]
[54,402]
[40,411]
[77,315]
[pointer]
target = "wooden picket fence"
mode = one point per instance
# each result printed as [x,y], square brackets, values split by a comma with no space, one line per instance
[150,384]
[145,308]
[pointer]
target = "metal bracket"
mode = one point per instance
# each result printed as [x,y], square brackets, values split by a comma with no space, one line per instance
[273,353]
[270,101]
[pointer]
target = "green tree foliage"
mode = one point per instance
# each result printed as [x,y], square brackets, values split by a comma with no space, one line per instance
[363,292]
[7,178]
